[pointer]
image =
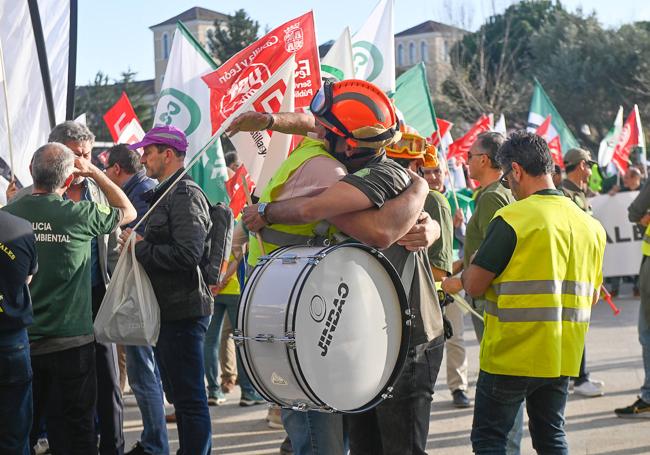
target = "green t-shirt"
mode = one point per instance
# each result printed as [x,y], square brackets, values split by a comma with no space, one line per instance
[61,291]
[488,201]
[441,252]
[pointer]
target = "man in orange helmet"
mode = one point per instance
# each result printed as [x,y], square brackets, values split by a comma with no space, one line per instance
[377,202]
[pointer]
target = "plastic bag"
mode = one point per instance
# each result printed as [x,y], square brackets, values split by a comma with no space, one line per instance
[129,313]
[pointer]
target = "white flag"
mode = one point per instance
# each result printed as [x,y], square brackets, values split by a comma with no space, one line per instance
[338,63]
[500,126]
[254,148]
[184,102]
[373,48]
[608,144]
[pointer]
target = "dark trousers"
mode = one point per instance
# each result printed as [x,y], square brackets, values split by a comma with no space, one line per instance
[15,392]
[498,400]
[109,394]
[400,425]
[64,388]
[179,354]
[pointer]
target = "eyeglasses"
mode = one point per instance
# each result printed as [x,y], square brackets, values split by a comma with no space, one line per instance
[504,180]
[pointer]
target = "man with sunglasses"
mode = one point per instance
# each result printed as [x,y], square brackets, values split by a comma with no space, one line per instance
[377,203]
[540,269]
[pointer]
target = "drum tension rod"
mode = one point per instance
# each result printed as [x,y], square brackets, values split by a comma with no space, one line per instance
[289,338]
[292,258]
[410,315]
[386,395]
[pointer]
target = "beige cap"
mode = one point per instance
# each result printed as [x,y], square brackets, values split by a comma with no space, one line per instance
[574,156]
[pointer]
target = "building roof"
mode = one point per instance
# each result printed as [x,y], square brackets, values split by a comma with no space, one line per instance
[193,14]
[429,27]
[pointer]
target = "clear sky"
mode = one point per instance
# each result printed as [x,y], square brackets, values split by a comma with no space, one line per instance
[114,34]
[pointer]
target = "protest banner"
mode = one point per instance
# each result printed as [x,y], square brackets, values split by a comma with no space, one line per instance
[623,250]
[122,122]
[631,136]
[337,63]
[461,146]
[609,142]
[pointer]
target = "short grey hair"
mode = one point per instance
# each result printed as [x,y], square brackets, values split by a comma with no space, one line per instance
[51,165]
[70,131]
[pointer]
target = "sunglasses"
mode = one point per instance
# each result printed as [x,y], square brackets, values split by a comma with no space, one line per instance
[504,180]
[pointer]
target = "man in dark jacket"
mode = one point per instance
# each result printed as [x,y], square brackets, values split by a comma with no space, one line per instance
[173,246]
[124,169]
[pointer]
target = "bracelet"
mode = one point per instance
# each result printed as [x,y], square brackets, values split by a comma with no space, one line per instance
[271,121]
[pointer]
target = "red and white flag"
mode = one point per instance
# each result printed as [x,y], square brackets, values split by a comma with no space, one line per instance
[444,127]
[235,189]
[244,74]
[122,122]
[461,146]
[554,143]
[631,136]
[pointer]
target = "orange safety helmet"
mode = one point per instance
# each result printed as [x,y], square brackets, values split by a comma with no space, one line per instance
[358,111]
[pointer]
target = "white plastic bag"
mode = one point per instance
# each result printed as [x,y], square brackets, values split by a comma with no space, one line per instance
[129,313]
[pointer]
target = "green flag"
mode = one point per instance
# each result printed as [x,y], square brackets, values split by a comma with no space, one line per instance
[540,108]
[184,102]
[413,99]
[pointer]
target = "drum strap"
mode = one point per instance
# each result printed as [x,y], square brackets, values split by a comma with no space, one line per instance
[408,274]
[284,238]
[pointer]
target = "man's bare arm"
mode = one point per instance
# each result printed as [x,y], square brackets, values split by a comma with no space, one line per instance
[476,280]
[283,122]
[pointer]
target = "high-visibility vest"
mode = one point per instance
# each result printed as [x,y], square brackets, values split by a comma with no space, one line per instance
[538,309]
[645,245]
[277,235]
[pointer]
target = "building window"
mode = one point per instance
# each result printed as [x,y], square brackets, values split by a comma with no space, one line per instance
[400,55]
[412,53]
[424,51]
[165,45]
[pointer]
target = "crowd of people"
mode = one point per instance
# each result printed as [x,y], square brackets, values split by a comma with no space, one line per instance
[522,248]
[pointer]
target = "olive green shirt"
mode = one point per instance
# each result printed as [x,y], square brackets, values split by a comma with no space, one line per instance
[488,201]
[573,192]
[61,290]
[441,254]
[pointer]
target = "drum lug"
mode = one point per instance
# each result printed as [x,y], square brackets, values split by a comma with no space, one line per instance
[290,339]
[291,258]
[410,315]
[388,394]
[237,337]
[301,407]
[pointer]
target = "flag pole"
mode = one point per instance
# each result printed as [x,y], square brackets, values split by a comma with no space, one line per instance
[6,94]
[249,201]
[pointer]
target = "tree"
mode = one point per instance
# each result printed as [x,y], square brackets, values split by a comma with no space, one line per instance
[231,36]
[97,98]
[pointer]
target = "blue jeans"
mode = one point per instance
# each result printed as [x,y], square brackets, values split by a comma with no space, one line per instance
[179,354]
[498,401]
[316,433]
[144,379]
[222,303]
[644,326]
[400,425]
[15,392]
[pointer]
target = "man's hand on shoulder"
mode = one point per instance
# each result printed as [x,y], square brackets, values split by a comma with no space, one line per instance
[422,235]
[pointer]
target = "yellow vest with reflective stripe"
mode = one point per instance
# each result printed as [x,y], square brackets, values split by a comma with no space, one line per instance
[539,307]
[645,245]
[307,150]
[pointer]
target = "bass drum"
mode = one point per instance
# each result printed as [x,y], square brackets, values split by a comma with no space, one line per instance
[323,328]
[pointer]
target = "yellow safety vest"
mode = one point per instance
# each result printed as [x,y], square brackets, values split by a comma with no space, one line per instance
[645,245]
[538,308]
[277,235]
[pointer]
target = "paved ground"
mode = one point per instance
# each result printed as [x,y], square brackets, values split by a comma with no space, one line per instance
[614,356]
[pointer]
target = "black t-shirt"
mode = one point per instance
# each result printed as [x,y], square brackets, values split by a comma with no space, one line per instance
[383,179]
[17,262]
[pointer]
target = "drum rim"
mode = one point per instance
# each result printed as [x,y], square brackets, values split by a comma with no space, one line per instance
[406,329]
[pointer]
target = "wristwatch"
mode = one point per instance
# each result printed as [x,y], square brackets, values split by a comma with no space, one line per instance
[261,209]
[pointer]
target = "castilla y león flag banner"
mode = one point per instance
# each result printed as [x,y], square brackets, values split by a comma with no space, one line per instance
[240,77]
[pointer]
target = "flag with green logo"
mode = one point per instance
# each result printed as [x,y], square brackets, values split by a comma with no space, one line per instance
[540,108]
[184,102]
[413,99]
[373,48]
[337,63]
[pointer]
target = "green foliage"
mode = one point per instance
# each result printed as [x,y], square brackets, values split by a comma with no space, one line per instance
[232,35]
[98,97]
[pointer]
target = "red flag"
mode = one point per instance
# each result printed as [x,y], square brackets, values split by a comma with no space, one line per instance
[235,190]
[119,117]
[556,151]
[631,136]
[542,130]
[461,146]
[443,126]
[241,76]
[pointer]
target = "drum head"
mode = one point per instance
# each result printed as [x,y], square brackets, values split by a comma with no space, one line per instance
[348,328]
